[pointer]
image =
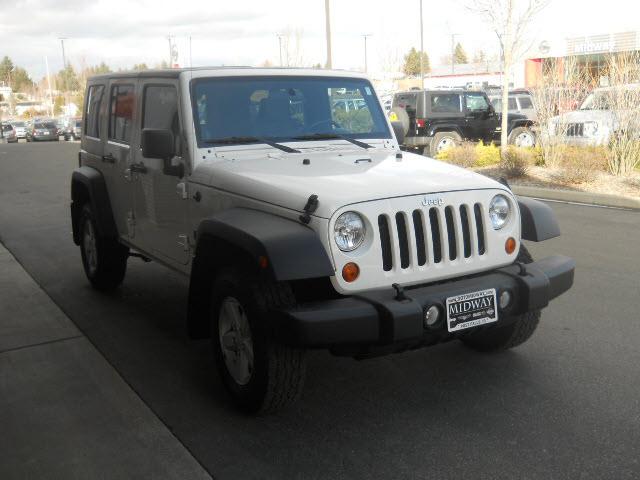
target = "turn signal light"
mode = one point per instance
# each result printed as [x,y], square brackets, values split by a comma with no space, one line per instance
[350,272]
[510,245]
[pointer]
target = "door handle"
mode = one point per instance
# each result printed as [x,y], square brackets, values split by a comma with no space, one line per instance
[138,168]
[109,158]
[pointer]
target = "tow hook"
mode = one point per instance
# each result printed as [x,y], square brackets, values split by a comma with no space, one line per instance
[400,296]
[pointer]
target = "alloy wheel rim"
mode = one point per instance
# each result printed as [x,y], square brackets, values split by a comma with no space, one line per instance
[524,139]
[445,143]
[234,334]
[90,249]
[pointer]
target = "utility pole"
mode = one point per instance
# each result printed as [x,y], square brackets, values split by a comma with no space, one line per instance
[327,14]
[421,49]
[365,36]
[279,35]
[453,52]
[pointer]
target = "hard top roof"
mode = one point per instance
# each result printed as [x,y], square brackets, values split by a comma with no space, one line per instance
[227,71]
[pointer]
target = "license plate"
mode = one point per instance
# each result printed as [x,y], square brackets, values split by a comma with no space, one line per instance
[471,309]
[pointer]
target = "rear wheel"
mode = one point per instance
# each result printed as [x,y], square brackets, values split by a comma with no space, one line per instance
[497,338]
[260,374]
[442,141]
[104,260]
[522,137]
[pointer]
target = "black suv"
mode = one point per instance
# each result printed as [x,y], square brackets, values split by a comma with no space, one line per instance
[437,119]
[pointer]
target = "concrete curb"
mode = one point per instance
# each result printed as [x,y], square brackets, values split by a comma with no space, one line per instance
[601,199]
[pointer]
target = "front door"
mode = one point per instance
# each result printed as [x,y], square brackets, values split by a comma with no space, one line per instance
[160,198]
[480,119]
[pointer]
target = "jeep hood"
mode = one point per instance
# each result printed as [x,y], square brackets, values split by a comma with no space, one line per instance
[339,178]
[580,116]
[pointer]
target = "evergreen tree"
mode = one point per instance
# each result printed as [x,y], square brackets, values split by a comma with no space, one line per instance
[459,55]
[412,63]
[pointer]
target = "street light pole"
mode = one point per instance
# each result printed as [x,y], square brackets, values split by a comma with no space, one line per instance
[64,58]
[421,49]
[327,14]
[280,45]
[365,36]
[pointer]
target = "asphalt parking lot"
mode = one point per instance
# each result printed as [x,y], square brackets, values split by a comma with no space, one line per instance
[564,405]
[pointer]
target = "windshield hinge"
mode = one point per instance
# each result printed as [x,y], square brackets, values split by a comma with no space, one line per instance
[309,208]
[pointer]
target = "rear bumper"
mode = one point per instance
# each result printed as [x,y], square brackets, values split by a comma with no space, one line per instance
[377,319]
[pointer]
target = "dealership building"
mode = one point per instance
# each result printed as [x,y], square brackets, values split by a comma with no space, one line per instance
[591,55]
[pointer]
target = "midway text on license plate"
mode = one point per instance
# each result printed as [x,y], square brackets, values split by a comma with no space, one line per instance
[471,309]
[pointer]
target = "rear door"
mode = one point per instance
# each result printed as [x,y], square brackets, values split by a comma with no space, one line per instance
[160,198]
[117,158]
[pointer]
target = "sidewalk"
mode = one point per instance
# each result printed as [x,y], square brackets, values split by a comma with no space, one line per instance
[64,411]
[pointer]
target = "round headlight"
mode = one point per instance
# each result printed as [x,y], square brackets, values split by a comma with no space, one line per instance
[499,211]
[349,231]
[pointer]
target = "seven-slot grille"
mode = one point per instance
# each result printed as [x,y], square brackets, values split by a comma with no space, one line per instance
[433,235]
[575,129]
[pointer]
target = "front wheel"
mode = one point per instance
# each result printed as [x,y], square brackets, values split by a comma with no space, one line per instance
[496,337]
[260,374]
[104,260]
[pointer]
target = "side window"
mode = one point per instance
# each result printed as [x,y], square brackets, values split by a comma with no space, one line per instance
[477,103]
[512,104]
[445,103]
[92,114]
[121,113]
[160,110]
[525,102]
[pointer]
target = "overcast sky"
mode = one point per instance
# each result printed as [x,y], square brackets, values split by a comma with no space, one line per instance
[124,32]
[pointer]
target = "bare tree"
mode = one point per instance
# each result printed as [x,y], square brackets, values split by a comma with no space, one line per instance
[390,59]
[509,20]
[292,51]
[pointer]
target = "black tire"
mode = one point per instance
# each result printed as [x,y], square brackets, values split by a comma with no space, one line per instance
[499,338]
[277,377]
[516,132]
[106,266]
[432,149]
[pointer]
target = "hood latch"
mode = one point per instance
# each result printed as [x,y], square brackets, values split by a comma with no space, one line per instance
[309,208]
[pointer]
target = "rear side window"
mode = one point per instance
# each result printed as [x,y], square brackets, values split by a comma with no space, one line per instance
[92,114]
[445,103]
[512,104]
[121,113]
[160,110]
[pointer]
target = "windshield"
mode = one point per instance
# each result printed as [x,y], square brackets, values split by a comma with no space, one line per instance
[45,125]
[18,124]
[596,101]
[285,108]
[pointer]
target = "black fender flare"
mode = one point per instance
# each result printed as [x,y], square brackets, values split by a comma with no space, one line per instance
[521,122]
[538,220]
[89,182]
[283,249]
[445,127]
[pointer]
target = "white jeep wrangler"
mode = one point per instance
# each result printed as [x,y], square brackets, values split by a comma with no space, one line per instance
[300,224]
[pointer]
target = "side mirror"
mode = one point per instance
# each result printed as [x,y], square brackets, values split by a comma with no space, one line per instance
[159,143]
[398,130]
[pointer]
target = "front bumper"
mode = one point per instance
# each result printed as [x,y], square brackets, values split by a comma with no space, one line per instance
[361,323]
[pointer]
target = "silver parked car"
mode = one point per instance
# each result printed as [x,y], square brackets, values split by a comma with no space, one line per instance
[20,128]
[519,102]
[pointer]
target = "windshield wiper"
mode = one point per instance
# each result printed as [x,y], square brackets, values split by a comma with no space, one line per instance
[247,140]
[333,136]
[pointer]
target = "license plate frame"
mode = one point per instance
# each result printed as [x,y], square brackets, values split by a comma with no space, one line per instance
[472,309]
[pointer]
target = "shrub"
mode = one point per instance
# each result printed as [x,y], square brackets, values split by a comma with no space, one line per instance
[487,155]
[516,161]
[581,164]
[464,155]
